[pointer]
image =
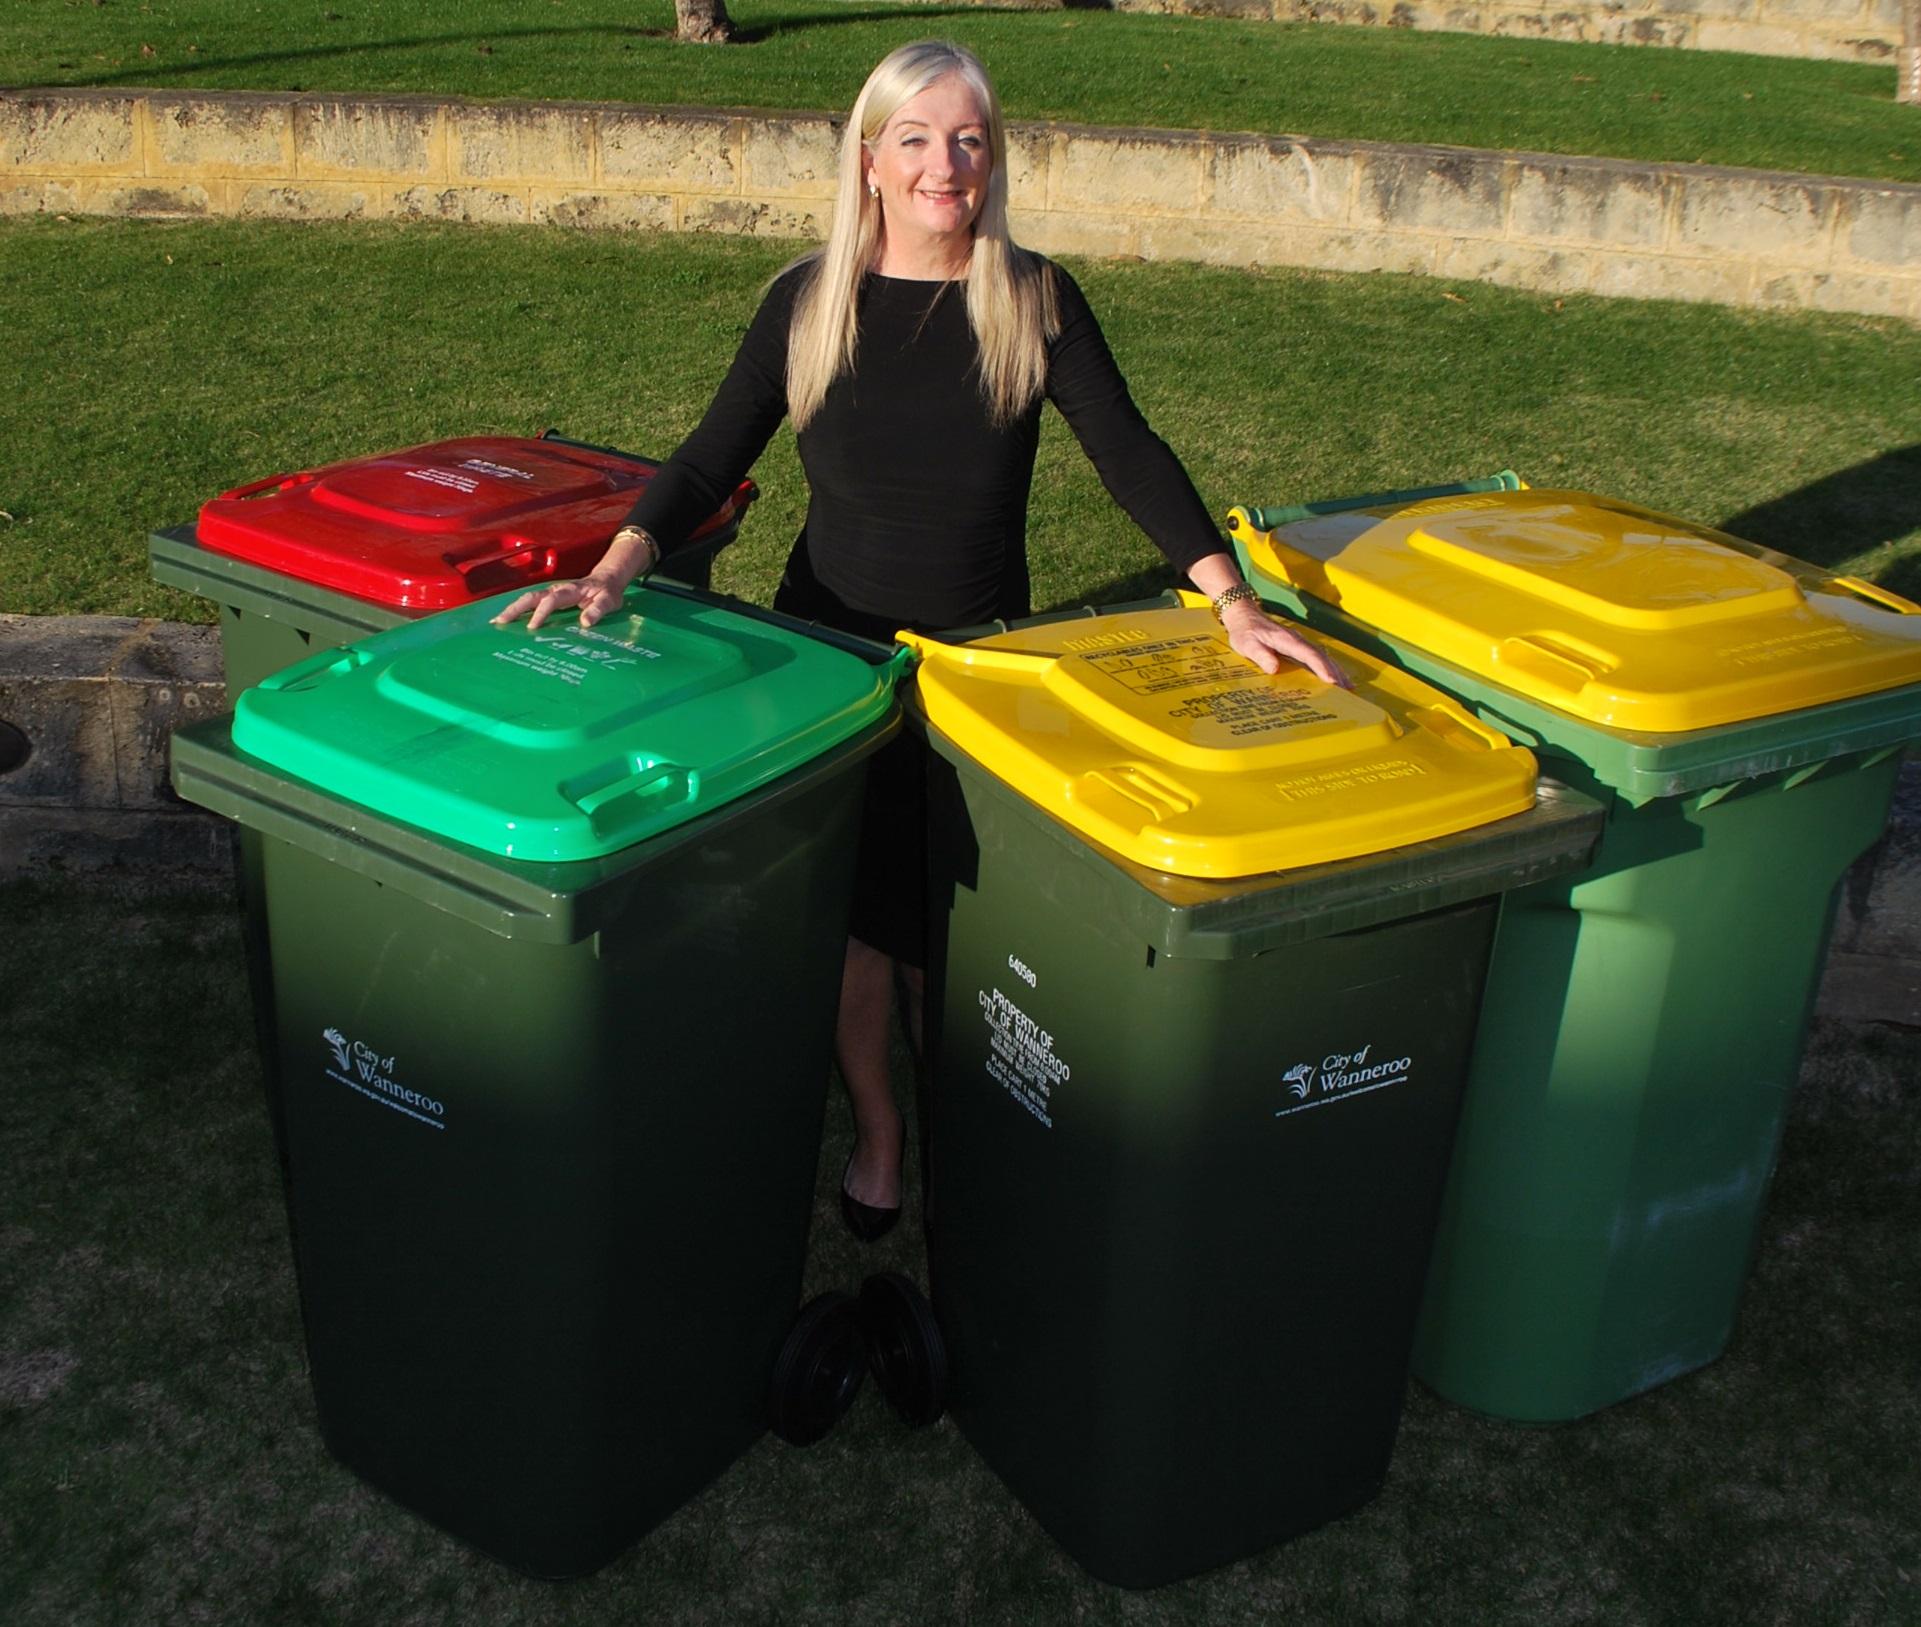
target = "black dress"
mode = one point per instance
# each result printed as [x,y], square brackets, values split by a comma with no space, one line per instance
[917,504]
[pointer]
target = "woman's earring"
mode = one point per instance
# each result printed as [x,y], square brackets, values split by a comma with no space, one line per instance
[872,190]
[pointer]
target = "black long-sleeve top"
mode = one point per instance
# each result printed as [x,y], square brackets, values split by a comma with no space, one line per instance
[917,508]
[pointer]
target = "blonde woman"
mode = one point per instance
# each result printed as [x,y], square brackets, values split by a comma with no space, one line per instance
[913,352]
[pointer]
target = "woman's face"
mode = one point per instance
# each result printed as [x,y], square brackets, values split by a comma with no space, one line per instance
[930,162]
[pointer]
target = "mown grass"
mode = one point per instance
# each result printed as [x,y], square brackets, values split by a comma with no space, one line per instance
[1086,66]
[155,365]
[159,1460]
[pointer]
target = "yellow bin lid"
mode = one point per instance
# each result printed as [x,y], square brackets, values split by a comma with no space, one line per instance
[1143,731]
[1613,613]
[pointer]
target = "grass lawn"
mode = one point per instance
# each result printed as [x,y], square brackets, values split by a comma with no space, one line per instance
[1087,66]
[155,365]
[159,1460]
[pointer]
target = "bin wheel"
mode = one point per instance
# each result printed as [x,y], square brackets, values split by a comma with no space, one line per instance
[819,1369]
[904,1347]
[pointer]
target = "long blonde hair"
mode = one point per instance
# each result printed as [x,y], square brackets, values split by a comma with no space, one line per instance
[1011,302]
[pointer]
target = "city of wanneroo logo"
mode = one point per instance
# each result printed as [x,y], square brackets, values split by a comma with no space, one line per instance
[1340,1076]
[363,1069]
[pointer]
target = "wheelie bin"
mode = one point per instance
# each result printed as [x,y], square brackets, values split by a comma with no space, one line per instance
[549,1187]
[1206,953]
[1741,716]
[320,557]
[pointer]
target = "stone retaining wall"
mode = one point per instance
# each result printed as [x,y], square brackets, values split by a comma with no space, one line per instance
[1849,30]
[87,707]
[1564,225]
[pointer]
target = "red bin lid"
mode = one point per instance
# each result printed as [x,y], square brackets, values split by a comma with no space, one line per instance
[429,527]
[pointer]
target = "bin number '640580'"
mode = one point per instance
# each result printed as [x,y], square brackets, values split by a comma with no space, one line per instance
[1021,969]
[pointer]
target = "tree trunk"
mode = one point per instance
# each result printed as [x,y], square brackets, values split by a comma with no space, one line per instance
[1908,61]
[705,22]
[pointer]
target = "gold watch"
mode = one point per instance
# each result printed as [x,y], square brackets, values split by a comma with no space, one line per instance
[1233,595]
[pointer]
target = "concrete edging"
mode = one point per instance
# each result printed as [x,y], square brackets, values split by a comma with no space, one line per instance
[98,698]
[1541,221]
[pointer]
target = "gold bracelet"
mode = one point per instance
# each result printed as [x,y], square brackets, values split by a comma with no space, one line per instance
[640,534]
[1233,595]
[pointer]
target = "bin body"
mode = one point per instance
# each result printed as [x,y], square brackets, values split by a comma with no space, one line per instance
[1186,1143]
[1644,1021]
[510,1091]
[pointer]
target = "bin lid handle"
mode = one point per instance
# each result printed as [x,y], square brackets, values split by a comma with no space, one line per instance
[254,488]
[977,656]
[1877,595]
[1450,720]
[540,560]
[654,780]
[323,663]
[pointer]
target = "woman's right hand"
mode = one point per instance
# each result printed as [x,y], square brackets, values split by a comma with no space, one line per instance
[594,596]
[599,593]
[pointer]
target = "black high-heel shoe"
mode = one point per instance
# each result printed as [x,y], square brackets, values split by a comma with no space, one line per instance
[864,1220]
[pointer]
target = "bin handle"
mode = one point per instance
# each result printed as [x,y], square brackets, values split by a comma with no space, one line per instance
[254,488]
[323,664]
[1241,520]
[1266,519]
[543,560]
[1455,718]
[973,655]
[729,512]
[1863,589]
[651,780]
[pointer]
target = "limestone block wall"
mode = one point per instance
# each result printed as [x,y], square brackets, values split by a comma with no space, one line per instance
[1849,30]
[87,706]
[1565,225]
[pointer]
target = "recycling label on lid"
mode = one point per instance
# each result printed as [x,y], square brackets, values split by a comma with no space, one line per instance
[1147,733]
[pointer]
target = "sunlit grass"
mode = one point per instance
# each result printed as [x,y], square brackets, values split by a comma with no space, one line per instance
[156,365]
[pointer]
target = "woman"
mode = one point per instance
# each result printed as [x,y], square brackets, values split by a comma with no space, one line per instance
[913,352]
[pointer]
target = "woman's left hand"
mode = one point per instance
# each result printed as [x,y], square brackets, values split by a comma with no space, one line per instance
[1258,637]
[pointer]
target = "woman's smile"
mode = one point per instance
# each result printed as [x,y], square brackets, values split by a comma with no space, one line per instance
[930,165]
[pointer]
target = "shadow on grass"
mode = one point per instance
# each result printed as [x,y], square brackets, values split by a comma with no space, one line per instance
[1844,515]
[1147,584]
[767,31]
[162,73]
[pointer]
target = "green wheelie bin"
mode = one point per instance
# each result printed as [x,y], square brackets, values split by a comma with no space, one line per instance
[321,557]
[549,1191]
[1741,715]
[1207,949]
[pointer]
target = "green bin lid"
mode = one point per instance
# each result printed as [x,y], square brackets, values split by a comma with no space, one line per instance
[567,743]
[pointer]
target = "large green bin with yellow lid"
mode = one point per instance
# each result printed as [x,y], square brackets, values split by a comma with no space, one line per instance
[1741,715]
[1206,953]
[549,1191]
